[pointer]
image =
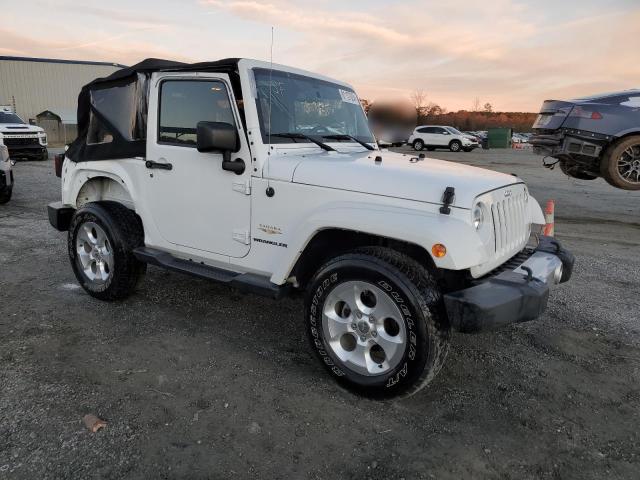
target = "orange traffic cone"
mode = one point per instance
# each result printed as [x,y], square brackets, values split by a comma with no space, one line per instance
[548,218]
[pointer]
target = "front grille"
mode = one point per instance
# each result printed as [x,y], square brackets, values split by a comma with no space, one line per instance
[20,142]
[510,223]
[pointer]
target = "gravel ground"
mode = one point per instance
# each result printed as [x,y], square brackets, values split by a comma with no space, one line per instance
[196,381]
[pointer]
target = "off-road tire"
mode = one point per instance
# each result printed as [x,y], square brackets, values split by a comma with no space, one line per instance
[574,171]
[418,145]
[412,288]
[455,145]
[5,195]
[124,232]
[609,163]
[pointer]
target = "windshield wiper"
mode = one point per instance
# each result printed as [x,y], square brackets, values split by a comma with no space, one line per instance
[344,136]
[324,146]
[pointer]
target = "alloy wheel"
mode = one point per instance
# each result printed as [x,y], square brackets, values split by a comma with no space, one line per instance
[364,328]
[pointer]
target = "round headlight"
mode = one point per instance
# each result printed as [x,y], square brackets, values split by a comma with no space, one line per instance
[478,216]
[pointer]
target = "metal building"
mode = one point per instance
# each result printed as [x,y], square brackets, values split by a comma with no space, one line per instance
[35,86]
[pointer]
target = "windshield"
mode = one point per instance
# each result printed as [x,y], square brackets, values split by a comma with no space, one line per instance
[10,118]
[308,106]
[454,130]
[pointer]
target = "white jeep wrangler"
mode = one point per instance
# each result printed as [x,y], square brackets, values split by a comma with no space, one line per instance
[268,179]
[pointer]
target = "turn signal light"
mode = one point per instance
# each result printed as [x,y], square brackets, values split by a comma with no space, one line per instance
[439,250]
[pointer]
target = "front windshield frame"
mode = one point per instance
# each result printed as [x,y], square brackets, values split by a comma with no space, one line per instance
[9,117]
[359,126]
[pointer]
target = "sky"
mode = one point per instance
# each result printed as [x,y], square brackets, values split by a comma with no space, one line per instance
[511,53]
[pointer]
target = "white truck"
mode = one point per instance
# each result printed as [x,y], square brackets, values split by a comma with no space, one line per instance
[6,173]
[268,178]
[22,140]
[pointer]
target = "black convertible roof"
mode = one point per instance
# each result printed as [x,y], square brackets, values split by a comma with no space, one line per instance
[112,111]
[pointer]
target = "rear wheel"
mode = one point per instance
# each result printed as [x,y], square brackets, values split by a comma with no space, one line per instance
[102,237]
[620,165]
[455,145]
[572,170]
[418,145]
[376,320]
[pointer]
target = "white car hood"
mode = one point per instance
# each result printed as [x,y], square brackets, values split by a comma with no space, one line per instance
[395,176]
[18,128]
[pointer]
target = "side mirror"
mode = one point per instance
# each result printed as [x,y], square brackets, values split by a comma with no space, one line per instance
[220,137]
[217,137]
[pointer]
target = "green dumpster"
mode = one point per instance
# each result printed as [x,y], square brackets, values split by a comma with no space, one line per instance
[499,137]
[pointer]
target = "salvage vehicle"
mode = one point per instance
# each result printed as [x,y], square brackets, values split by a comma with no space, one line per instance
[436,136]
[22,140]
[233,171]
[6,174]
[593,137]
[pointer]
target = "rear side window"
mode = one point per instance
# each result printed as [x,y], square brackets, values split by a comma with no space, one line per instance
[424,130]
[184,103]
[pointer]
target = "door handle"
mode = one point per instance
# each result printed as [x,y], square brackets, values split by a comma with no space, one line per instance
[160,165]
[236,166]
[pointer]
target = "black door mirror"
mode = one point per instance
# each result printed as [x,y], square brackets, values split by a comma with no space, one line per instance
[217,137]
[220,137]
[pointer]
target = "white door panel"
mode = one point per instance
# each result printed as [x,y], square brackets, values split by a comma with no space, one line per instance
[196,203]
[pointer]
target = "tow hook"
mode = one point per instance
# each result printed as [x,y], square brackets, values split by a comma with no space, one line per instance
[529,273]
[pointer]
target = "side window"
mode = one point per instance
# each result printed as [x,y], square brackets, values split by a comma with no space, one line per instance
[423,130]
[184,103]
[439,131]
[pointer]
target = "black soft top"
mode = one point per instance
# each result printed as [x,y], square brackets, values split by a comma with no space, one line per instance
[112,111]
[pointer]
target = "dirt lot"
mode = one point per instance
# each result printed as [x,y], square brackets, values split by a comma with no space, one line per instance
[198,382]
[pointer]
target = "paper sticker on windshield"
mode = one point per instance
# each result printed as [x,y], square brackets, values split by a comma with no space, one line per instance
[348,96]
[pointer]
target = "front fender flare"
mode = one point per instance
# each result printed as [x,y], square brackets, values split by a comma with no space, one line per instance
[419,227]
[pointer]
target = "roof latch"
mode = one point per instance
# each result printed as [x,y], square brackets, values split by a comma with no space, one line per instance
[447,199]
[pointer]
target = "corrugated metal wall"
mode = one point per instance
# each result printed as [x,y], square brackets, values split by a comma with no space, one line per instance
[39,86]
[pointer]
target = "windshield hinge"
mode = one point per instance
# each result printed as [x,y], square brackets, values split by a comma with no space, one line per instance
[241,235]
[242,187]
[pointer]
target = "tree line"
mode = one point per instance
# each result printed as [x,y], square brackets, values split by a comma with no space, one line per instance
[420,111]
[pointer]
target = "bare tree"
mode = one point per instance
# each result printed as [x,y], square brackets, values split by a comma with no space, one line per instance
[419,99]
[475,107]
[488,108]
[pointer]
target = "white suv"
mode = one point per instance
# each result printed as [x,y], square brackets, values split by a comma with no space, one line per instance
[436,136]
[267,178]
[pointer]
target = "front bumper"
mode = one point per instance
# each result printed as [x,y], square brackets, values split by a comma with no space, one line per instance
[27,151]
[514,296]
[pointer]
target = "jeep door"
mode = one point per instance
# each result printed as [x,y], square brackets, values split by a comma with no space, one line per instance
[193,201]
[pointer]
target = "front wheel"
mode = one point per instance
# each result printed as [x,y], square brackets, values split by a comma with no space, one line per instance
[375,319]
[102,237]
[620,165]
[455,145]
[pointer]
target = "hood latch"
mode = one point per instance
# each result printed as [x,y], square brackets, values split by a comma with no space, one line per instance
[447,199]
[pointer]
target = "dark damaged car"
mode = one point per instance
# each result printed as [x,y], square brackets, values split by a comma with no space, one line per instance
[593,137]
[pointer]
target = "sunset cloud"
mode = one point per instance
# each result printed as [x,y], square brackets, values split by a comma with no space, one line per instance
[512,53]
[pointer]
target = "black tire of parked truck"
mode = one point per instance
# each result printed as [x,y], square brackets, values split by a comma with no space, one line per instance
[572,170]
[455,145]
[101,240]
[410,324]
[5,195]
[620,164]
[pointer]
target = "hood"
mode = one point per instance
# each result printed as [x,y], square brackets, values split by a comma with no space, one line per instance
[17,128]
[395,176]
